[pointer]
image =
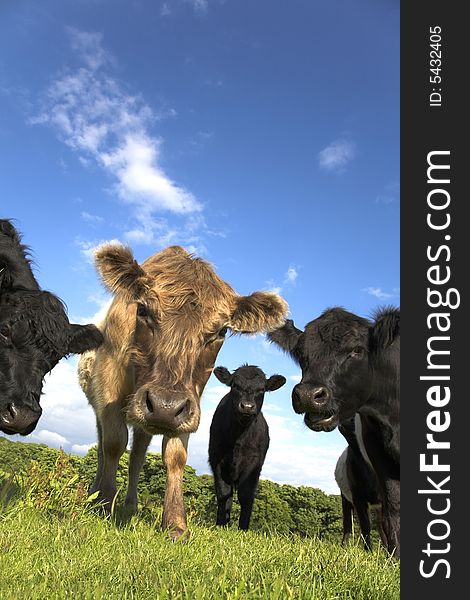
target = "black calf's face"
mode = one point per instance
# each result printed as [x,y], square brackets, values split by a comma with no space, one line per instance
[333,355]
[34,335]
[248,385]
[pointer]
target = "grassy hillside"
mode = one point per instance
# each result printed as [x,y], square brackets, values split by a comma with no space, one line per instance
[55,545]
[86,556]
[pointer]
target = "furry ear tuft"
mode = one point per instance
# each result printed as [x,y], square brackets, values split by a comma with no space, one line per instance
[261,311]
[120,272]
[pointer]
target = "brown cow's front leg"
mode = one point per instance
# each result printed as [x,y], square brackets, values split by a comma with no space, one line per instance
[113,433]
[174,458]
[140,443]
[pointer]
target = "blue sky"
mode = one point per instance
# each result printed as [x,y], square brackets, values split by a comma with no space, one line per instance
[261,135]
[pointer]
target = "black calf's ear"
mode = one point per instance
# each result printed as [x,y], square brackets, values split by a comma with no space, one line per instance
[223,375]
[286,337]
[275,382]
[84,337]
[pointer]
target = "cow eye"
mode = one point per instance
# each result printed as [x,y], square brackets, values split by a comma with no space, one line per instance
[142,311]
[358,352]
[223,331]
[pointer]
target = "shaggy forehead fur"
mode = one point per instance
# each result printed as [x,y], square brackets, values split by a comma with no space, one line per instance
[338,328]
[187,300]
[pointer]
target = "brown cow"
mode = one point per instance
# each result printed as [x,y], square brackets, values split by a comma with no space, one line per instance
[163,331]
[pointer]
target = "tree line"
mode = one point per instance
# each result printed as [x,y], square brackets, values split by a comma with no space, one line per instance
[283,509]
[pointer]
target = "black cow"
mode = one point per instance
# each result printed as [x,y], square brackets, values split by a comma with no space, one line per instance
[239,439]
[350,364]
[35,334]
[359,487]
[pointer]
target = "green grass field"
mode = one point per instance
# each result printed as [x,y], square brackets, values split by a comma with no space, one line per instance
[54,544]
[86,556]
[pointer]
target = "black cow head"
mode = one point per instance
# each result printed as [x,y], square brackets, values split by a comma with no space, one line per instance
[248,385]
[344,360]
[35,334]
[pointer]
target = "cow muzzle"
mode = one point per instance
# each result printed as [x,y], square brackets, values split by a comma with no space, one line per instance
[17,417]
[315,402]
[310,398]
[247,408]
[166,413]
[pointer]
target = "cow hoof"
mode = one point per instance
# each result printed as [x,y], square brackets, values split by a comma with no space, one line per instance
[179,535]
[130,507]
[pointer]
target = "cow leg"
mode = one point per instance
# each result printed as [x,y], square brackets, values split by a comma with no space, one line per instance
[347,519]
[114,434]
[95,486]
[140,443]
[246,497]
[380,527]
[391,515]
[174,455]
[362,513]
[224,493]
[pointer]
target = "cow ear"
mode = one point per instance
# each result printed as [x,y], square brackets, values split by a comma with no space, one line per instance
[261,311]
[286,337]
[120,272]
[275,382]
[5,279]
[223,375]
[386,328]
[84,337]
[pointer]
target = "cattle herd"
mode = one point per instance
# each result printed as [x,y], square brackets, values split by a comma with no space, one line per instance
[146,366]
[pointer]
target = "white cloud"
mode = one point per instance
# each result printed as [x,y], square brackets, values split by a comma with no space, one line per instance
[88,248]
[93,219]
[50,438]
[377,292]
[291,275]
[88,46]
[100,121]
[336,155]
[81,449]
[290,278]
[199,6]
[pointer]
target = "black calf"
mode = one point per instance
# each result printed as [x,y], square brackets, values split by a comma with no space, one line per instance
[239,439]
[35,334]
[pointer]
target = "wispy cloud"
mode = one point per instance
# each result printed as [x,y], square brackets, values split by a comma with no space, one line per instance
[104,124]
[337,155]
[290,278]
[87,248]
[389,194]
[92,219]
[165,10]
[199,6]
[291,275]
[378,293]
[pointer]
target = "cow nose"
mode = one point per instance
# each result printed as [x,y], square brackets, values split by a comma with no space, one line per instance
[18,418]
[164,413]
[320,395]
[247,407]
[306,398]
